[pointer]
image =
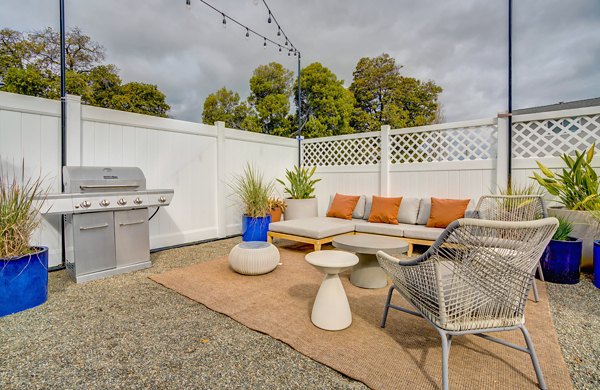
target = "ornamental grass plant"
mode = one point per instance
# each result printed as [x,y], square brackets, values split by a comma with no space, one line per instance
[20,201]
[253,191]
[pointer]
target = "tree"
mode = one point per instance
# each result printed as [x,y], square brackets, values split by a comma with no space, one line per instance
[384,96]
[326,105]
[30,65]
[224,105]
[270,92]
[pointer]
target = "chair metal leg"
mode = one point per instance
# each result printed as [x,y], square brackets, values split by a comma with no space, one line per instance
[446,340]
[540,271]
[387,306]
[536,297]
[534,359]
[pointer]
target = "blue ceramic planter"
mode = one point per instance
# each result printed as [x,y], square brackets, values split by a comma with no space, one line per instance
[597,263]
[562,260]
[23,282]
[255,229]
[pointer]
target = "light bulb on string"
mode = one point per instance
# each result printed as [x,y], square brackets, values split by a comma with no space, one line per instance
[247,33]
[278,31]
[224,21]
[279,50]
[286,42]
[188,4]
[265,43]
[269,20]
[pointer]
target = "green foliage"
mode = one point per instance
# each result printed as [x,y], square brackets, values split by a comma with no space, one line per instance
[270,93]
[20,200]
[384,97]
[326,105]
[224,105]
[519,189]
[576,186]
[301,183]
[30,65]
[565,227]
[253,191]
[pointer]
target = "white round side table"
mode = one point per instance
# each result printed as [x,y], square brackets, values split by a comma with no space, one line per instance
[254,258]
[331,310]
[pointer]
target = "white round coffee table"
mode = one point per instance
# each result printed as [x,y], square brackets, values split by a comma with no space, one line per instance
[367,273]
[331,310]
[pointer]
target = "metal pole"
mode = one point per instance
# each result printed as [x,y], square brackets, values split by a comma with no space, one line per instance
[63,89]
[299,118]
[509,160]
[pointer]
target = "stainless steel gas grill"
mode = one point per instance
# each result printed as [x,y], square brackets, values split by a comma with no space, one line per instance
[106,220]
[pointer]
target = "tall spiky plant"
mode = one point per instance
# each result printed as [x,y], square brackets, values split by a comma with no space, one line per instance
[253,191]
[20,200]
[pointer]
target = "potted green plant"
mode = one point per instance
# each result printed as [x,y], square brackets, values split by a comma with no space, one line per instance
[277,207]
[301,188]
[576,186]
[253,191]
[561,260]
[23,268]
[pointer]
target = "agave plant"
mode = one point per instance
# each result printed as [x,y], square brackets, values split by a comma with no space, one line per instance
[301,184]
[576,186]
[253,191]
[20,200]
[565,227]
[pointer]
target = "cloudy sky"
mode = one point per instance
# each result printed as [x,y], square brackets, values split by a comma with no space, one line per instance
[460,44]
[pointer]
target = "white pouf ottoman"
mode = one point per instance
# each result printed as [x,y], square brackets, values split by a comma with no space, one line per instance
[254,258]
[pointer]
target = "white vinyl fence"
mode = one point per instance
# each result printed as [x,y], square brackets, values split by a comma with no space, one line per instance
[196,160]
[450,160]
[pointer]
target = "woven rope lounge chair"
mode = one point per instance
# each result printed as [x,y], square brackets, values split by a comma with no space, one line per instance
[513,208]
[474,279]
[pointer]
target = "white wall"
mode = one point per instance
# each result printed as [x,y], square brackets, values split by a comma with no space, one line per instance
[196,160]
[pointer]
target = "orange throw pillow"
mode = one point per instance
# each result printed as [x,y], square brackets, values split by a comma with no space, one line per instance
[385,210]
[342,206]
[445,211]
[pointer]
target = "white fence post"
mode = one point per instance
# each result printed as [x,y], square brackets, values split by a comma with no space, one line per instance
[74,129]
[221,172]
[502,152]
[384,162]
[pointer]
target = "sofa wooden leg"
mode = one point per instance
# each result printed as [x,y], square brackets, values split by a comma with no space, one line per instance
[269,239]
[410,249]
[317,246]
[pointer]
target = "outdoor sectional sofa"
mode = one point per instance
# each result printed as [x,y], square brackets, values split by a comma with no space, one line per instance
[412,218]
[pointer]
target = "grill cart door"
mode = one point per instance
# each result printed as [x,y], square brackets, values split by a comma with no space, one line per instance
[132,236]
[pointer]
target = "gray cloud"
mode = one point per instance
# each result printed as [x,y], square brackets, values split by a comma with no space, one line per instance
[460,44]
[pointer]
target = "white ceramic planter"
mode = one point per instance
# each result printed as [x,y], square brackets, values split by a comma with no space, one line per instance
[584,227]
[301,208]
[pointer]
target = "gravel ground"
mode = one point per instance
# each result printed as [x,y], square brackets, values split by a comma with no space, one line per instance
[129,332]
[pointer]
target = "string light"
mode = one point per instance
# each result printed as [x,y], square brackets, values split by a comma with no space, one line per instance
[271,19]
[188,4]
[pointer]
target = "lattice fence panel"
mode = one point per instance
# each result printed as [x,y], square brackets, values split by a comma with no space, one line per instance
[553,137]
[460,144]
[342,152]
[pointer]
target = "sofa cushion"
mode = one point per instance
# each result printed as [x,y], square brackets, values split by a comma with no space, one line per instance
[422,232]
[445,211]
[409,210]
[385,210]
[359,210]
[315,227]
[381,228]
[342,206]
[425,210]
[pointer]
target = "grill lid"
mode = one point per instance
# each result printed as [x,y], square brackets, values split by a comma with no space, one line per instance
[100,179]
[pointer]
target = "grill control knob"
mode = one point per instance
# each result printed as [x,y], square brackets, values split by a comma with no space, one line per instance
[138,200]
[104,203]
[85,204]
[162,199]
[121,202]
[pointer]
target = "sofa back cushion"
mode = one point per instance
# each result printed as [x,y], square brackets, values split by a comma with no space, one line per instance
[342,206]
[425,210]
[359,209]
[445,211]
[384,210]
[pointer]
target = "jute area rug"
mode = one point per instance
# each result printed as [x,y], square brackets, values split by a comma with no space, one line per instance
[406,354]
